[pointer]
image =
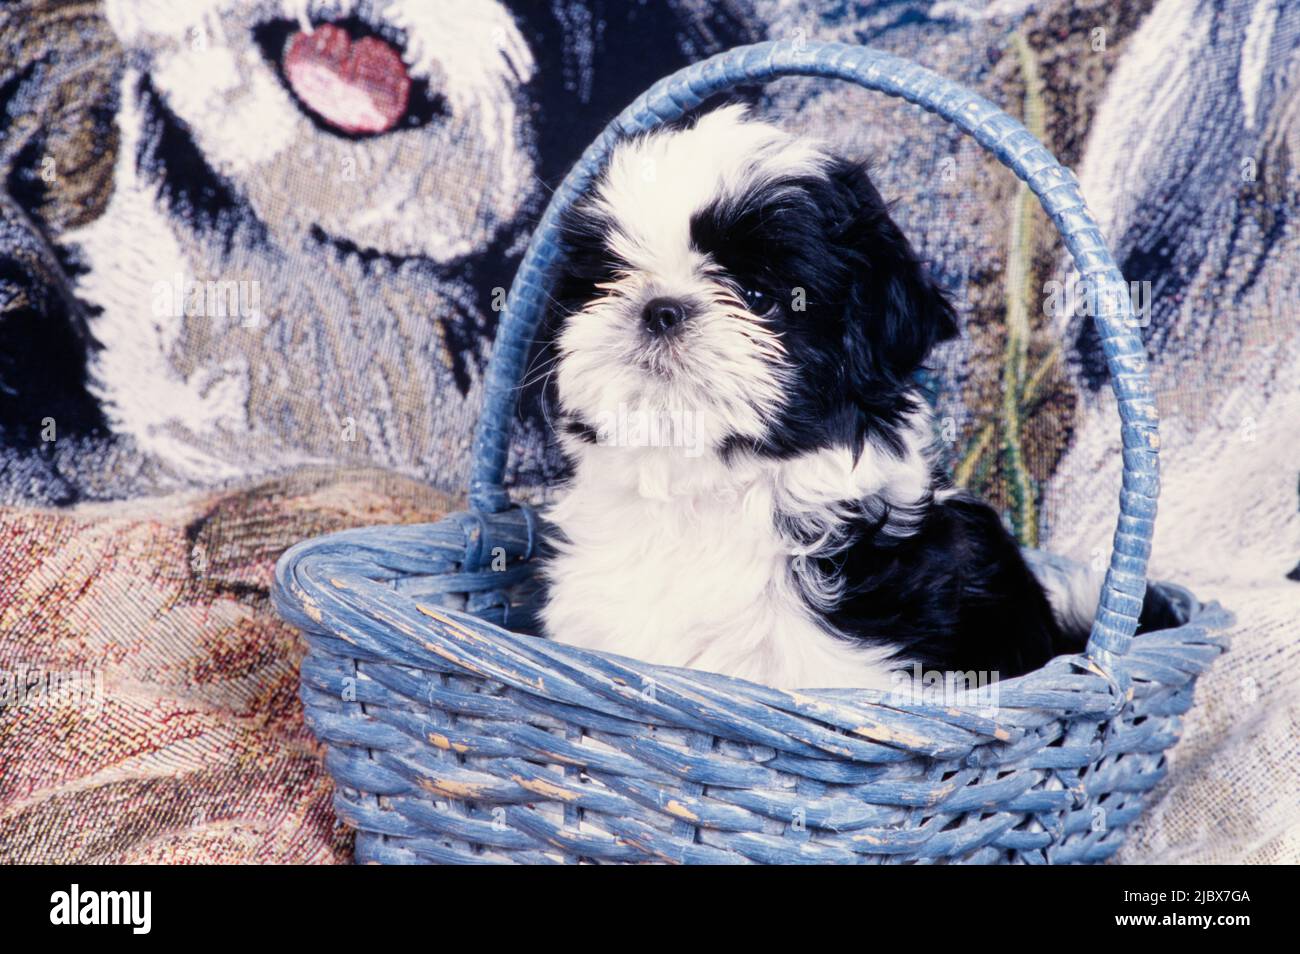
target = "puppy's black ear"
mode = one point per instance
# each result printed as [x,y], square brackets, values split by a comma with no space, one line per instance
[896,312]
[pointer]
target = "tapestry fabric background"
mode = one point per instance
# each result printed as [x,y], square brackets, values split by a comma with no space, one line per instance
[240,307]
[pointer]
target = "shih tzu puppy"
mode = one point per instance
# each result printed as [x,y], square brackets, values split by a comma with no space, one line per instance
[732,352]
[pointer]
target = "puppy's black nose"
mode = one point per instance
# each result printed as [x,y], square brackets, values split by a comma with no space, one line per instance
[662,315]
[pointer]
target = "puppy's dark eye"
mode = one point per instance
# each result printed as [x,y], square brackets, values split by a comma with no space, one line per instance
[756,301]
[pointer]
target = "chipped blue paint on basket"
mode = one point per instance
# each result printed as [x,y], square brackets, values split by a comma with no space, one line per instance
[452,738]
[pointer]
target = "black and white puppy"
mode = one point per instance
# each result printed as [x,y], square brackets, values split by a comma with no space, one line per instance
[752,489]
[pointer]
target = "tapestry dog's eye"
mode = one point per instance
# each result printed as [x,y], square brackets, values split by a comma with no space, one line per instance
[348,78]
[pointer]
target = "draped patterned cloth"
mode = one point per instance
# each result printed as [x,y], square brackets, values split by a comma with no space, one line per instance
[251,259]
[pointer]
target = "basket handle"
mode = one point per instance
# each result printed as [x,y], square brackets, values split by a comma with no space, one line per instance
[1056,188]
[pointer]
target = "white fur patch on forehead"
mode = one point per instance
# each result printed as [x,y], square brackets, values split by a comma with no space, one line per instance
[655,183]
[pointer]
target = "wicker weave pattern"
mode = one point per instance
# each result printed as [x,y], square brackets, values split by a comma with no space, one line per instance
[453,739]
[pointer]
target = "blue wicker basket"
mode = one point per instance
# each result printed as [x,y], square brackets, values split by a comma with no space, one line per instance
[452,738]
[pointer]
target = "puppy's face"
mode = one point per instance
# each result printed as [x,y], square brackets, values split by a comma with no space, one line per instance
[739,287]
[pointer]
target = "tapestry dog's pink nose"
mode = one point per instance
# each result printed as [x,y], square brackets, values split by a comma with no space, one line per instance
[358,87]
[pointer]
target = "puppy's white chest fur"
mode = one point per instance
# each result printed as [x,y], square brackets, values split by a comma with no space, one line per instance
[680,563]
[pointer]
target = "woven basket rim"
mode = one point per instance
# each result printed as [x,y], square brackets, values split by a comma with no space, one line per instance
[318,579]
